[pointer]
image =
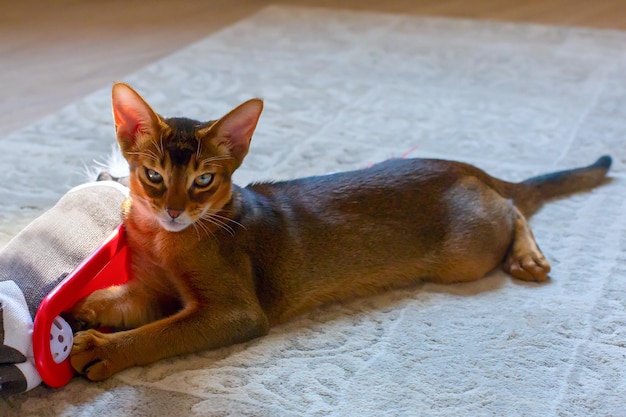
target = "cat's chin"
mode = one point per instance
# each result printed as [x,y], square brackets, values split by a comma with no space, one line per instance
[173,225]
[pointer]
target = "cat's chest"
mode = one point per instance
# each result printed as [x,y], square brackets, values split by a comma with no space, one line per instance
[174,252]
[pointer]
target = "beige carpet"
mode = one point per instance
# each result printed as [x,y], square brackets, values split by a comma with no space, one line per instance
[343,90]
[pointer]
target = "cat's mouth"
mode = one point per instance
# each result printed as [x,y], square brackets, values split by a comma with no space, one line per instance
[174,225]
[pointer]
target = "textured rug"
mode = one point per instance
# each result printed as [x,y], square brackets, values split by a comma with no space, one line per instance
[343,90]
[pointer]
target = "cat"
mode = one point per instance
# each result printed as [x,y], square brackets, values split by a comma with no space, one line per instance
[214,264]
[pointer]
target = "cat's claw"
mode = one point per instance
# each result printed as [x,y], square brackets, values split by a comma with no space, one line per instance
[91,357]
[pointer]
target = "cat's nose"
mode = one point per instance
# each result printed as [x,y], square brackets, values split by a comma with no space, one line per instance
[173,213]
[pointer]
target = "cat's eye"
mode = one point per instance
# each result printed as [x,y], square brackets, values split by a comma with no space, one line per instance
[153,176]
[204,180]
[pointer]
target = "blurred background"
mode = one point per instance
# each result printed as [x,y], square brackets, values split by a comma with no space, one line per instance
[55,52]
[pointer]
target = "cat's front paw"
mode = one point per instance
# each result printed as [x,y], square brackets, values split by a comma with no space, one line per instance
[83,315]
[95,356]
[100,308]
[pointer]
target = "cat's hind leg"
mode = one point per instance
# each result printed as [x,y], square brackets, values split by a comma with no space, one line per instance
[524,259]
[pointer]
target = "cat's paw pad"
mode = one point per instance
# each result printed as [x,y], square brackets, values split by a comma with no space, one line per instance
[91,355]
[531,266]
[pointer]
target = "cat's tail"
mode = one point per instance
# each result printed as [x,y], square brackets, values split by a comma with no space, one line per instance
[529,195]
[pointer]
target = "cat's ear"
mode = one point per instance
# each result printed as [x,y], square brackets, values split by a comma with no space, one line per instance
[133,117]
[235,130]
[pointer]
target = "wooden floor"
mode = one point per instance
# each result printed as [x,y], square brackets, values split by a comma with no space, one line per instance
[54,52]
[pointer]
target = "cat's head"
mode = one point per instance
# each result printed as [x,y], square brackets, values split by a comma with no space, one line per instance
[180,169]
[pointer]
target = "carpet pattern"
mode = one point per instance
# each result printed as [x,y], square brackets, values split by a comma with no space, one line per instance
[344,90]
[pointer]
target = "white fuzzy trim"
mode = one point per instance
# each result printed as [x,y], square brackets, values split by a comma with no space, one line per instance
[115,164]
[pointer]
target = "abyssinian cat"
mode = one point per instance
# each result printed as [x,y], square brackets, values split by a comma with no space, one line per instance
[214,264]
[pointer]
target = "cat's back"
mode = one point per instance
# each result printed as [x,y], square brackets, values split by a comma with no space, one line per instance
[382,181]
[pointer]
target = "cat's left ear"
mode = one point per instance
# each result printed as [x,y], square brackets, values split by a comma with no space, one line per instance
[235,130]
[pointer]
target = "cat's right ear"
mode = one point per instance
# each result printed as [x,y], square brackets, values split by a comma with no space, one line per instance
[134,119]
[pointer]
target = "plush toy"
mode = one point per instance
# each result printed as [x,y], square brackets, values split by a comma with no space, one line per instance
[37,259]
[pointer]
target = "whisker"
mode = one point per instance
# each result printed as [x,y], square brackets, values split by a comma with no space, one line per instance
[161,143]
[217,158]
[205,229]
[223,225]
[149,155]
[211,165]
[156,157]
[199,150]
[227,219]
[219,223]
[208,161]
[195,227]
[208,232]
[219,226]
